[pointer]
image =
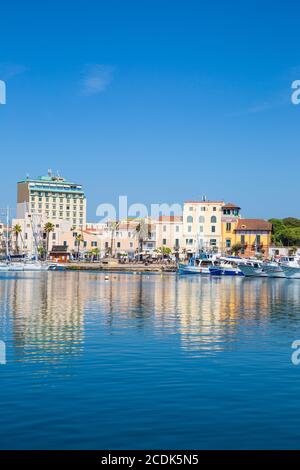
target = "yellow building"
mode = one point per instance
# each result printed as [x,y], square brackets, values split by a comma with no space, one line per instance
[245,237]
[230,218]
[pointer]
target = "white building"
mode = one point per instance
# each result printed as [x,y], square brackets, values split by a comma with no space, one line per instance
[53,199]
[202,225]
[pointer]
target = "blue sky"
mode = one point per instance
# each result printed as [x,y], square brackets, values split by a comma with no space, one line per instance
[162,101]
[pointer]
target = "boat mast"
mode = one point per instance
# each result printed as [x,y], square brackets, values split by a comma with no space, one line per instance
[7,233]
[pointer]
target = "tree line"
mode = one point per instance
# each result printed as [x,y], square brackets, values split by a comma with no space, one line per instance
[286,232]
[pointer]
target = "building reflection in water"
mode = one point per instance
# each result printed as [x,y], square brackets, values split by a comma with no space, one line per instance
[51,315]
[46,315]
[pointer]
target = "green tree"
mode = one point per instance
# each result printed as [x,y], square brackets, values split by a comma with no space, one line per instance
[286,232]
[164,251]
[236,248]
[95,252]
[113,226]
[17,230]
[79,239]
[142,232]
[48,228]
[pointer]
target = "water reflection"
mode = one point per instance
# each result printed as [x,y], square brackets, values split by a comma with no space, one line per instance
[49,314]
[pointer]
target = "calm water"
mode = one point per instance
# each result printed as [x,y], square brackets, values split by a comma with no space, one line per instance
[145,361]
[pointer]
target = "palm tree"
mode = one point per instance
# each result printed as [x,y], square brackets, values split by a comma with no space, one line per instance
[113,226]
[48,228]
[79,239]
[95,252]
[142,232]
[17,230]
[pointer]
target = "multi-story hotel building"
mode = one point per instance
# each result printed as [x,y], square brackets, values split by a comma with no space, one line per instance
[202,225]
[52,199]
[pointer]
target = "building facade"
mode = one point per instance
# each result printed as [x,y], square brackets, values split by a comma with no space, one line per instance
[52,199]
[169,233]
[202,225]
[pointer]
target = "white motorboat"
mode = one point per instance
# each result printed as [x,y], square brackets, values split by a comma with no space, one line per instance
[4,267]
[273,269]
[252,268]
[198,265]
[291,267]
[35,266]
[16,267]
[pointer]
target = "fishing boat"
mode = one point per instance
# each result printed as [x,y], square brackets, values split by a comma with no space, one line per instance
[252,268]
[273,269]
[198,264]
[226,267]
[290,266]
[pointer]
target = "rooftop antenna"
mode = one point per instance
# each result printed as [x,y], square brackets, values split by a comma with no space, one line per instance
[50,173]
[204,198]
[27,176]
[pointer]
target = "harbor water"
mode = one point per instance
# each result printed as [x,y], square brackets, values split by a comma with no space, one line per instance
[140,361]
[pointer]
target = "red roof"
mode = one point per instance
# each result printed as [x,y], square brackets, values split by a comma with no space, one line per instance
[254,224]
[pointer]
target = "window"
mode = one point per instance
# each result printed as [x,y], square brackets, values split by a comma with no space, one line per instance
[164,228]
[203,209]
[228,243]
[214,209]
[177,242]
[213,228]
[213,242]
[190,219]
[201,228]
[228,227]
[201,219]
[164,241]
[119,245]
[177,228]
[191,209]
[213,219]
[189,229]
[243,239]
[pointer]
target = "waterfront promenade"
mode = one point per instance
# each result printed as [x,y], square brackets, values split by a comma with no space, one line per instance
[114,266]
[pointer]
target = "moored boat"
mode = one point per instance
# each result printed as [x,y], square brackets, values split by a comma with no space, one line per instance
[291,267]
[198,265]
[252,268]
[225,267]
[291,272]
[273,269]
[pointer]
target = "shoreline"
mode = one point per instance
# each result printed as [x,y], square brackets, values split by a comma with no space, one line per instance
[115,267]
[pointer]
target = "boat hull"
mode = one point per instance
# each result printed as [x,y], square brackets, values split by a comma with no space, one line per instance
[251,271]
[215,271]
[274,270]
[291,272]
[186,269]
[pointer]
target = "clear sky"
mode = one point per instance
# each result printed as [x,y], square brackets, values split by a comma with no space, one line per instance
[159,100]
